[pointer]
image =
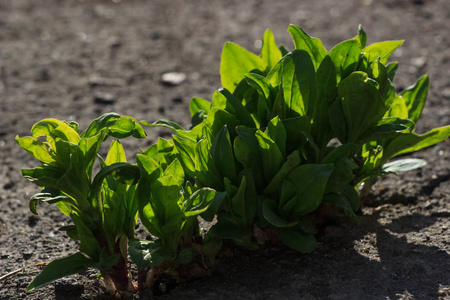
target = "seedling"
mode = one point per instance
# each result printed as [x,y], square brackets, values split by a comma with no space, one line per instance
[102,206]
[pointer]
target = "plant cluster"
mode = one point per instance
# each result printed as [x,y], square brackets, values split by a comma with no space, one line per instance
[287,133]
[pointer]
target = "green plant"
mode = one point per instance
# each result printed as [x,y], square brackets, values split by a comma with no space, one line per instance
[102,207]
[290,131]
[168,208]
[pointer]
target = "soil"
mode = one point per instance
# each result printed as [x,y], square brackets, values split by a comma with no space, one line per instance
[75,60]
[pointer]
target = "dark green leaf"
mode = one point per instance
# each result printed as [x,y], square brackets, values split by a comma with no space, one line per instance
[306,182]
[88,243]
[327,92]
[60,268]
[241,112]
[293,161]
[213,208]
[260,83]
[275,130]
[272,157]
[148,253]
[222,154]
[272,214]
[362,104]
[198,202]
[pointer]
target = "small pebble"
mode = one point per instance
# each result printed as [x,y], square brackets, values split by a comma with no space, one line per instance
[27,254]
[104,98]
[173,78]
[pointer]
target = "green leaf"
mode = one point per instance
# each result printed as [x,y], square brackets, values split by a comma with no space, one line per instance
[382,50]
[150,172]
[275,130]
[413,142]
[118,126]
[168,193]
[299,241]
[307,184]
[124,172]
[88,243]
[272,157]
[247,152]
[243,201]
[55,129]
[272,214]
[211,246]
[389,128]
[392,69]
[327,92]
[398,109]
[293,161]
[186,148]
[415,97]
[341,201]
[299,83]
[361,37]
[313,46]
[295,129]
[49,195]
[45,175]
[198,104]
[379,73]
[259,83]
[60,268]
[338,122]
[148,253]
[165,123]
[240,111]
[344,166]
[213,208]
[270,53]
[218,118]
[37,149]
[345,56]
[404,165]
[222,154]
[116,153]
[198,202]
[236,62]
[228,228]
[362,104]
[175,169]
[205,167]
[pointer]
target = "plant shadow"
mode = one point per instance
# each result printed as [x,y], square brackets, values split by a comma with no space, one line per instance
[391,266]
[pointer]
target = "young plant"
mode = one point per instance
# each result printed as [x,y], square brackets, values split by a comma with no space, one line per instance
[168,208]
[102,206]
[292,130]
